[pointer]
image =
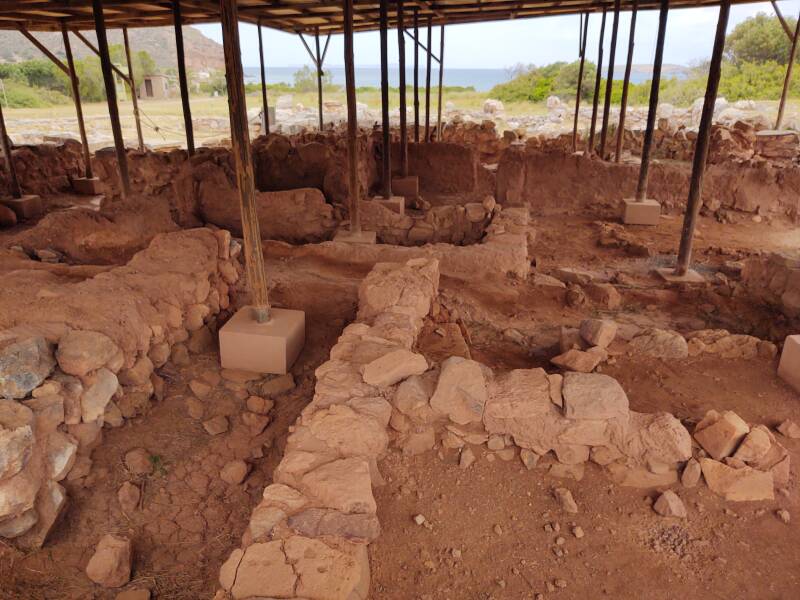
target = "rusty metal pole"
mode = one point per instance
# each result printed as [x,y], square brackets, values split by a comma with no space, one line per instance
[16,192]
[352,119]
[644,167]
[788,79]
[401,51]
[319,77]
[132,86]
[609,81]
[416,75]
[598,77]
[76,97]
[441,83]
[187,110]
[701,145]
[428,83]
[582,52]
[264,104]
[625,83]
[243,161]
[111,96]
[386,159]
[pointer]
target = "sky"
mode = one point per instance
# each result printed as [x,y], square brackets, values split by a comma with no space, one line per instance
[503,44]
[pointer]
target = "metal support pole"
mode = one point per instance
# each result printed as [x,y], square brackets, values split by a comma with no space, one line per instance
[625,83]
[788,79]
[441,83]
[111,96]
[352,119]
[598,77]
[609,81]
[240,145]
[401,52]
[582,52]
[16,192]
[644,167]
[187,110]
[386,164]
[264,104]
[702,143]
[416,76]
[76,97]
[132,86]
[428,84]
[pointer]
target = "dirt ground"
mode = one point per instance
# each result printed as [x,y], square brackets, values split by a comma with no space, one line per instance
[492,527]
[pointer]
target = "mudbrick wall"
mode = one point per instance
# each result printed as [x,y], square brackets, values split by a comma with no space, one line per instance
[76,357]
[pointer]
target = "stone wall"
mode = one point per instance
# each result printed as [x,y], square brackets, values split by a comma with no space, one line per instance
[76,357]
[775,280]
[45,168]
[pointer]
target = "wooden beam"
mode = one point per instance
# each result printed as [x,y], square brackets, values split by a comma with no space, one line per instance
[609,81]
[416,77]
[788,79]
[243,161]
[76,97]
[386,159]
[96,51]
[582,52]
[184,85]
[53,58]
[598,77]
[701,145]
[319,79]
[111,96]
[428,85]
[644,167]
[421,45]
[352,120]
[441,83]
[401,54]
[625,84]
[264,105]
[5,143]
[783,22]
[132,86]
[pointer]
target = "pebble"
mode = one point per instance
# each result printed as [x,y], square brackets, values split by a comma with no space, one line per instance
[419,519]
[784,515]
[577,531]
[564,496]
[560,583]
[466,459]
[498,530]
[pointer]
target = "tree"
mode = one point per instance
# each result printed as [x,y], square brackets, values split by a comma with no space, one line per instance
[759,39]
[305,79]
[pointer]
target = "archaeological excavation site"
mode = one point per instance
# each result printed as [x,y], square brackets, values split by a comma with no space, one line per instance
[411,357]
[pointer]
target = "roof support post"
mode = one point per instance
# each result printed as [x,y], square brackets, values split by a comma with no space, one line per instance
[352,119]
[111,96]
[416,75]
[319,77]
[583,24]
[441,83]
[76,97]
[132,86]
[428,84]
[187,110]
[609,81]
[702,143]
[16,192]
[644,167]
[386,159]
[598,77]
[264,104]
[788,79]
[401,55]
[240,146]
[625,83]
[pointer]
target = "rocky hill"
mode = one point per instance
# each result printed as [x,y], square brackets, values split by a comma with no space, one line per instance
[202,53]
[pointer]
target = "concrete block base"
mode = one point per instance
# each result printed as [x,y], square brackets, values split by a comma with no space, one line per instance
[789,367]
[395,203]
[270,347]
[27,207]
[86,186]
[691,276]
[407,186]
[362,237]
[646,212]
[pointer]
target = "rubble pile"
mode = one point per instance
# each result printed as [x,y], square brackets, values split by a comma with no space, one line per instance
[76,357]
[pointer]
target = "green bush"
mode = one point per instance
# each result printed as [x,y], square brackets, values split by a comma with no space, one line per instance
[21,95]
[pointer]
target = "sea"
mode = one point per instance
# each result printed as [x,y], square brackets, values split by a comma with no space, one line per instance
[482,80]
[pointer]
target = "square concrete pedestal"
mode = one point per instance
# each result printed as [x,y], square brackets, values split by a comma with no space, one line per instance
[27,207]
[395,203]
[691,276]
[407,186]
[270,347]
[789,367]
[86,186]
[645,212]
[362,237]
